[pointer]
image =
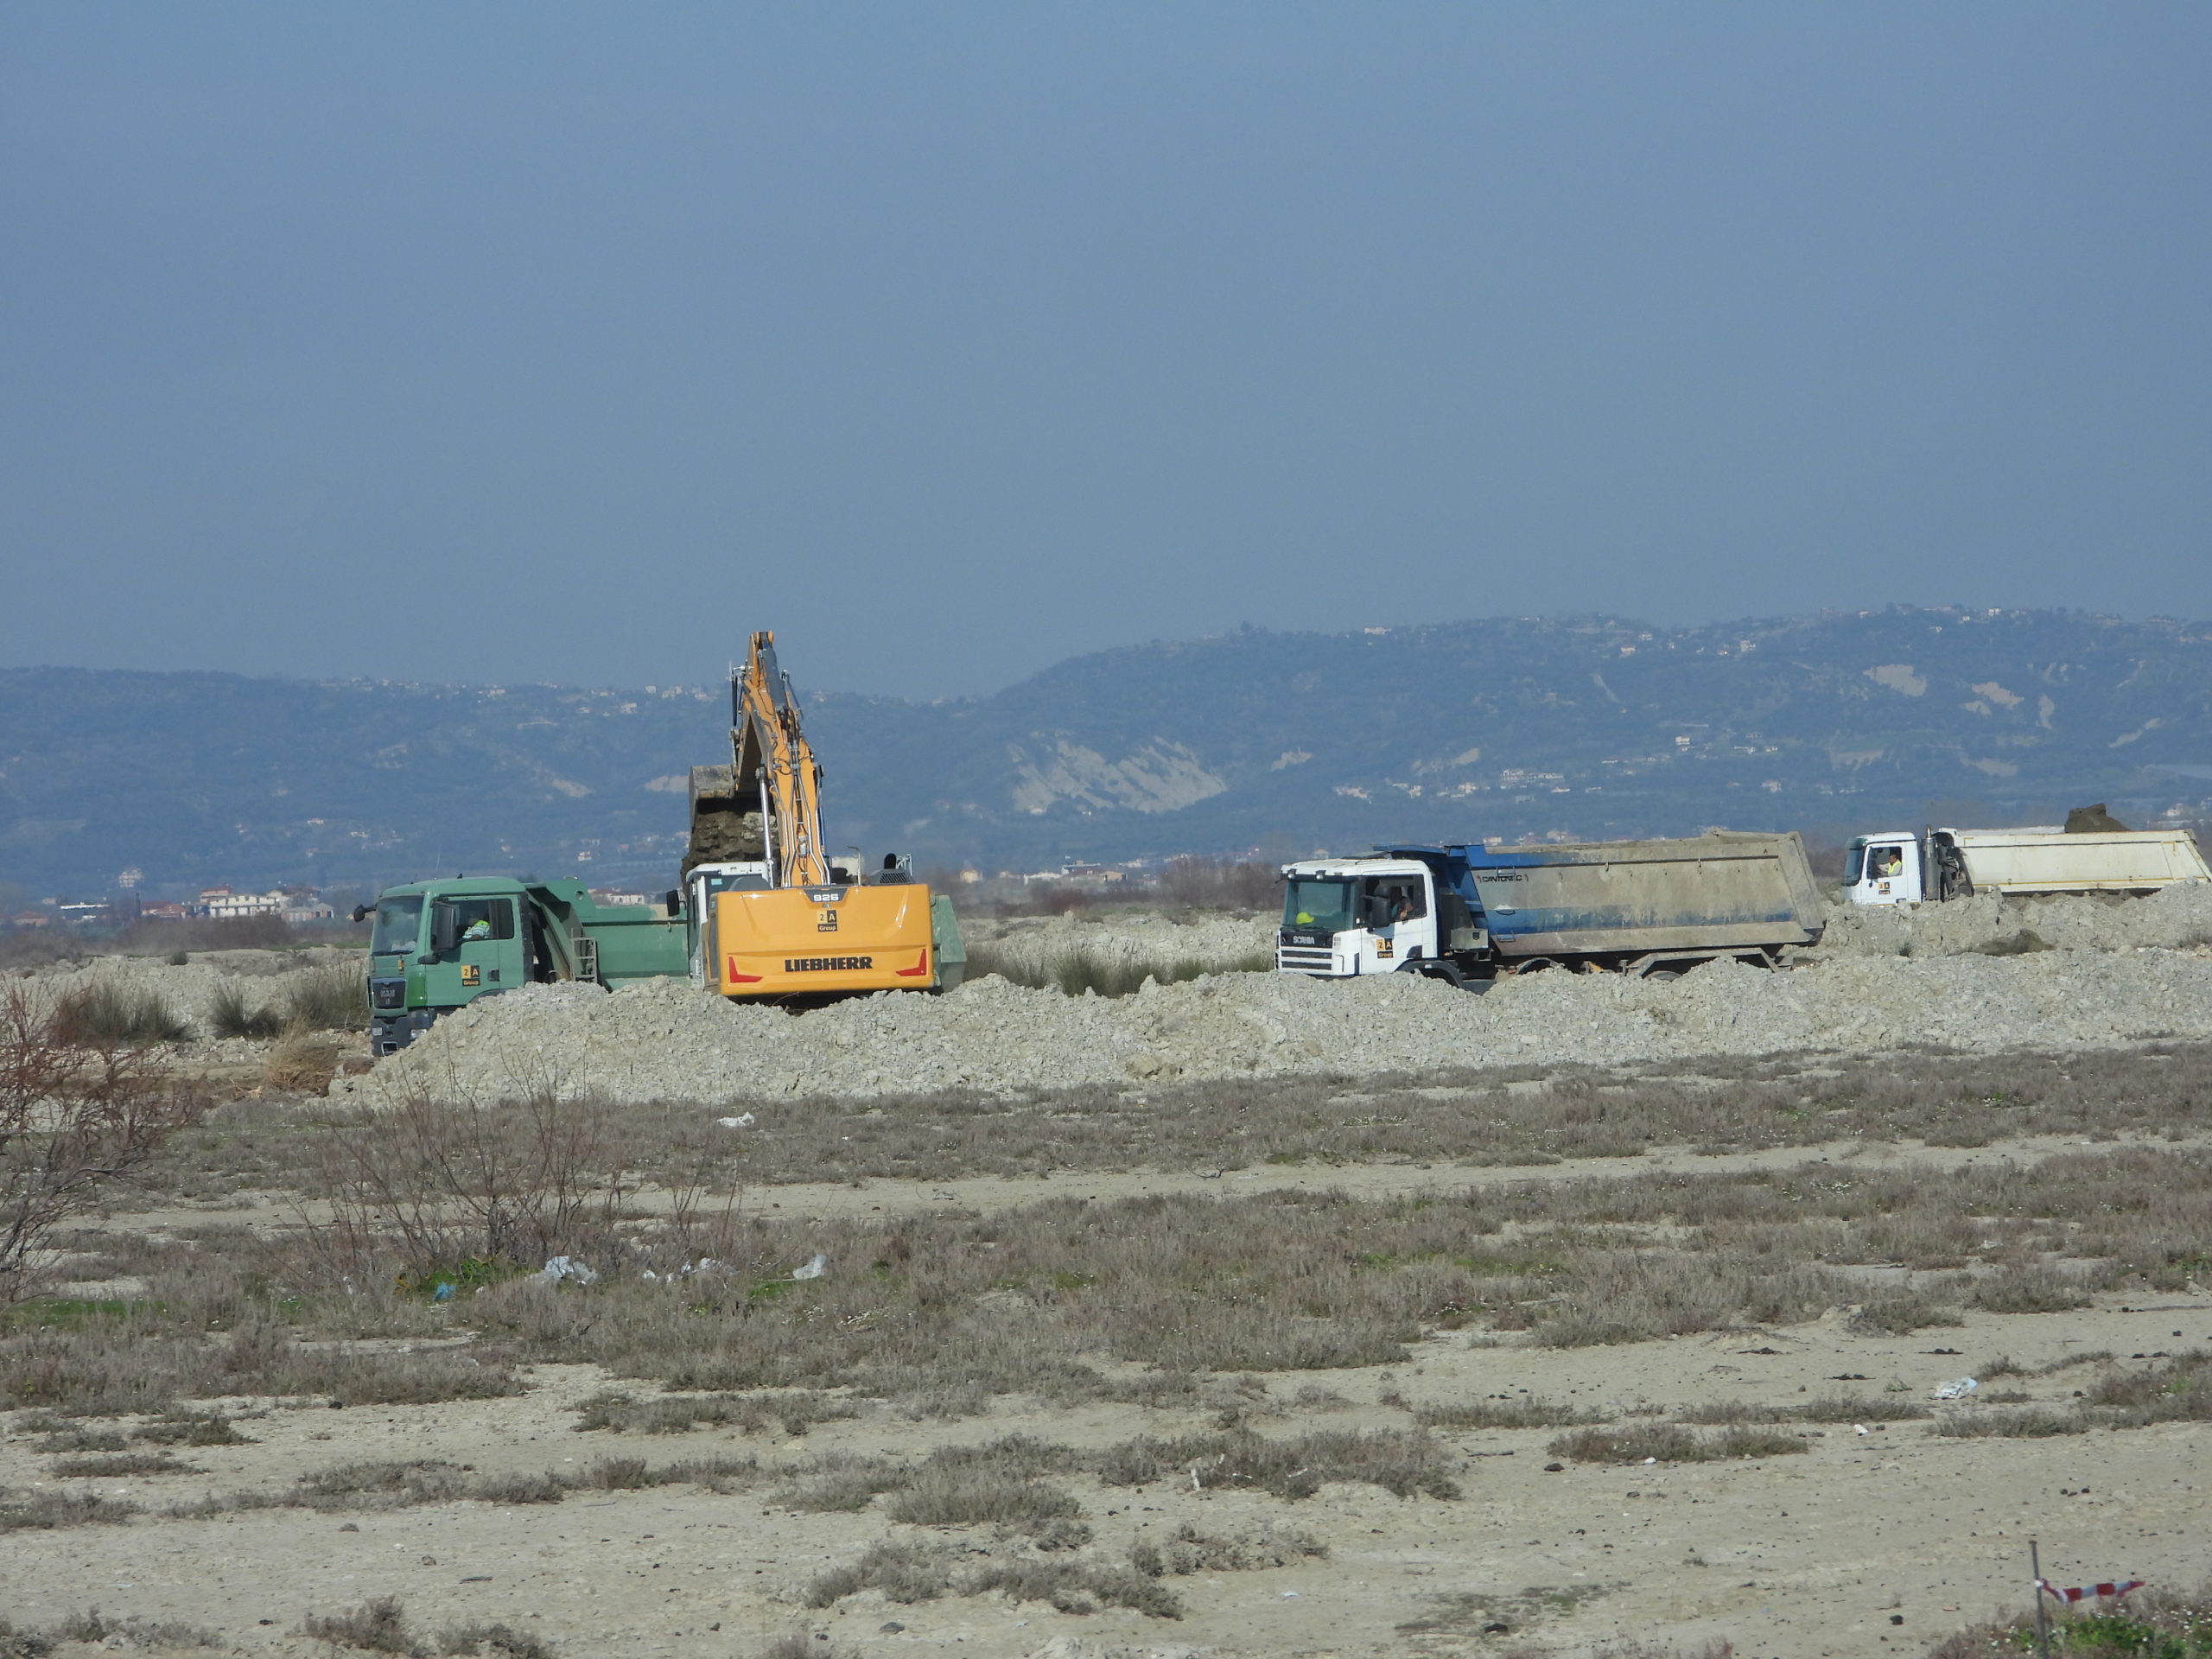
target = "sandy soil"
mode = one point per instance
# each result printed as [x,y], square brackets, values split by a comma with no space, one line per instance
[1791,1557]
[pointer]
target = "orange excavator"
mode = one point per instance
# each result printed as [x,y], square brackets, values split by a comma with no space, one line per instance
[770,917]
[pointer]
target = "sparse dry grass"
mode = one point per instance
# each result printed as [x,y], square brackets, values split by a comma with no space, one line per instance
[1715,1104]
[944,1312]
[2177,1390]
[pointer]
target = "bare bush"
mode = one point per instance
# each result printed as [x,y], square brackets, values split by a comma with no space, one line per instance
[443,1182]
[80,1117]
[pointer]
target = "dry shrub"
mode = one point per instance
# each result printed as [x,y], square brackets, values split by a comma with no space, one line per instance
[908,1572]
[80,1117]
[1191,1551]
[2153,1622]
[953,1495]
[192,1429]
[794,1413]
[405,1485]
[230,1013]
[329,996]
[1822,1409]
[1074,1586]
[142,1361]
[2177,1391]
[2012,1425]
[25,1511]
[1401,1462]
[103,1014]
[145,1634]
[300,1063]
[1672,1443]
[1526,1412]
[842,1484]
[901,1570]
[123,1462]
[494,1641]
[376,1626]
[2029,1289]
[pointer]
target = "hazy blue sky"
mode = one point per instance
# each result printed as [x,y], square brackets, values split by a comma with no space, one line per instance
[557,342]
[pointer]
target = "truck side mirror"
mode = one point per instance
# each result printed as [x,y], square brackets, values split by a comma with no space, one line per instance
[674,901]
[445,930]
[361,913]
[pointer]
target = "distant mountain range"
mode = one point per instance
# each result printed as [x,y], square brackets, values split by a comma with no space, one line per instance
[1282,743]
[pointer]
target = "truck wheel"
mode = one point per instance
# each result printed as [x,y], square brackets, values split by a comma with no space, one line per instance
[1662,973]
[1428,969]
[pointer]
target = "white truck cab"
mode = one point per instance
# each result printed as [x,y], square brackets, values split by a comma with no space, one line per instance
[1343,917]
[699,887]
[1884,869]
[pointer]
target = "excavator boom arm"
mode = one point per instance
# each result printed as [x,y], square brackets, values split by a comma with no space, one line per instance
[769,749]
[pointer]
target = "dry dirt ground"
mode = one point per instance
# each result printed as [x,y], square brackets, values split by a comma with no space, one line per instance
[1863,1543]
[1868,1531]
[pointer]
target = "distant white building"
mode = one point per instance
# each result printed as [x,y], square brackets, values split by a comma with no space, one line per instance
[224,904]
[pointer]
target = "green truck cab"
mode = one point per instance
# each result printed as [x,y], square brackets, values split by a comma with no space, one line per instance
[440,945]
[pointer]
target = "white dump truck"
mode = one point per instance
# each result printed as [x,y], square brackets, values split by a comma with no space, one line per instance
[1466,914]
[2093,854]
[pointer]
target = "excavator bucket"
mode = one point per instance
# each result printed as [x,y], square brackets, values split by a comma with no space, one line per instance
[726,822]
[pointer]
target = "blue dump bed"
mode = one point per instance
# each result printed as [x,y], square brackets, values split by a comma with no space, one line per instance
[1708,891]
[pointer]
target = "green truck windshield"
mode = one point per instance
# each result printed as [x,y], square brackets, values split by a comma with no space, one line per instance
[399,926]
[1318,905]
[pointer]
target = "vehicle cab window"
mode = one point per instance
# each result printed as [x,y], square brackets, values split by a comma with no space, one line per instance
[485,918]
[1388,899]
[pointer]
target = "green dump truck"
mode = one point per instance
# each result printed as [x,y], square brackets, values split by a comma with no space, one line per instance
[440,945]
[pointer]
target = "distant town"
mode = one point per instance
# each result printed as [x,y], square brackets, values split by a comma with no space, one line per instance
[303,905]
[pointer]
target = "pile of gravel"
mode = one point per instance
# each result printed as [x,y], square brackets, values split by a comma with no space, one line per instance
[2176,918]
[1031,947]
[663,1040]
